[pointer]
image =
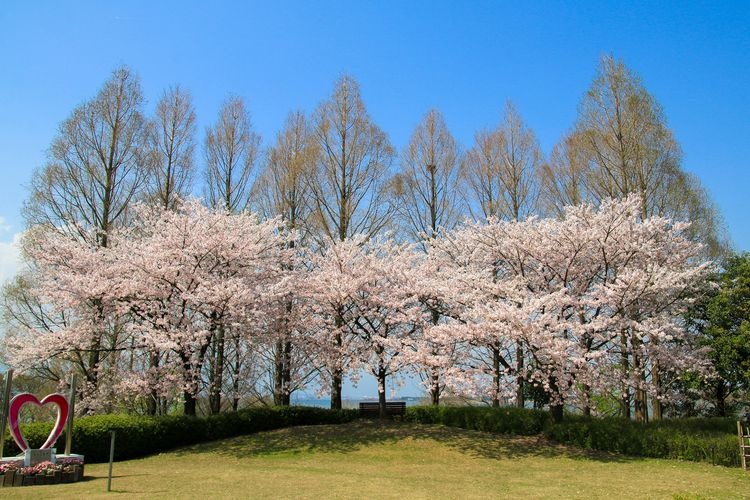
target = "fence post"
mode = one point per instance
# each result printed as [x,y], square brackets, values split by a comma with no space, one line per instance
[6,403]
[71,412]
[111,458]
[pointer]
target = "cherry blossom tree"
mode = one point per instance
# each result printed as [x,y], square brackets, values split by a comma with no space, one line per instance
[363,296]
[593,297]
[178,276]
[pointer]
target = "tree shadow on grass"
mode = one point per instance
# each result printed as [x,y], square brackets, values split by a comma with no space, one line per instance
[347,438]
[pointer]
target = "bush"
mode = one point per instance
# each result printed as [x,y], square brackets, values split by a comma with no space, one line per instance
[699,440]
[710,440]
[506,420]
[139,435]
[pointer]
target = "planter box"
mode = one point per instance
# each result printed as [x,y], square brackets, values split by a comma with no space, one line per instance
[17,480]
[68,477]
[8,479]
[28,480]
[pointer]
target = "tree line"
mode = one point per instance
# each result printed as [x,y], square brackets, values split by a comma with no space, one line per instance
[329,178]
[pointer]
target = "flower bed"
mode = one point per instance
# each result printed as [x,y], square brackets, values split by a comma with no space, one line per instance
[68,470]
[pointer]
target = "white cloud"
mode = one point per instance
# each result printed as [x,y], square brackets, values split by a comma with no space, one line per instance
[10,257]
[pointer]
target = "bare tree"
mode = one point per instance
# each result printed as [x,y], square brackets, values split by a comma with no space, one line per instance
[501,171]
[231,148]
[95,170]
[427,200]
[564,177]
[426,183]
[282,189]
[349,188]
[96,163]
[171,147]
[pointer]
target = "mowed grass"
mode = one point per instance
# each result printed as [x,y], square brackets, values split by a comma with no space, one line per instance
[395,460]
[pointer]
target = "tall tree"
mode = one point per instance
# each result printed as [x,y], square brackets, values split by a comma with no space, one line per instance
[425,188]
[96,168]
[722,320]
[349,187]
[282,189]
[623,139]
[425,184]
[171,147]
[96,164]
[501,171]
[230,149]
[564,178]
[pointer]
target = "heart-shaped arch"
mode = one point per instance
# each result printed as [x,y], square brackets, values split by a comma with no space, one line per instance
[21,399]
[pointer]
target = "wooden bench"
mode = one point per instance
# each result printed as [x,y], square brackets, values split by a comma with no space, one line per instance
[392,409]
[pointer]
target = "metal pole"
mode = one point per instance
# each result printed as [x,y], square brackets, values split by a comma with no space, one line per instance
[71,412]
[111,458]
[6,403]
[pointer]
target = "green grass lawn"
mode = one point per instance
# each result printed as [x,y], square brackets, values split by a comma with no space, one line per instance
[398,460]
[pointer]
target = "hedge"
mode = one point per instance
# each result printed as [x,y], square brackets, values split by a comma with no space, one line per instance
[506,420]
[698,440]
[711,440]
[139,435]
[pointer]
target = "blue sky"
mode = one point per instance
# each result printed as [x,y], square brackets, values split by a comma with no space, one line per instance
[466,58]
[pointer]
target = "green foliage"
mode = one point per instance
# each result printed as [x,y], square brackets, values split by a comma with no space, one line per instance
[139,435]
[722,322]
[701,439]
[712,440]
[504,420]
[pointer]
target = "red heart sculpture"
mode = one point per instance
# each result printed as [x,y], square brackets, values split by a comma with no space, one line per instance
[21,399]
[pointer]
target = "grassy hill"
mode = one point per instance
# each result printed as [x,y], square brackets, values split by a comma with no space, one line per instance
[397,460]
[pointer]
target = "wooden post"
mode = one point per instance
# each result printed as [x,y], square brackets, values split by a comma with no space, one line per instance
[6,403]
[744,438]
[111,458]
[71,412]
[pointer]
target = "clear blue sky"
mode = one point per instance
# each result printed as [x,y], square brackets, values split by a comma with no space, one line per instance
[467,58]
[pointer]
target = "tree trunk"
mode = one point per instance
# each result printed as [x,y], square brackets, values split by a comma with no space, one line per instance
[496,375]
[336,380]
[434,373]
[721,396]
[214,394]
[625,374]
[555,409]
[286,375]
[278,374]
[236,369]
[337,375]
[381,394]
[587,400]
[190,404]
[641,397]
[152,402]
[656,406]
[434,387]
[520,398]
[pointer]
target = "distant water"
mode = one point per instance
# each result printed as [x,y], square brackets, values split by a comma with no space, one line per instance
[352,403]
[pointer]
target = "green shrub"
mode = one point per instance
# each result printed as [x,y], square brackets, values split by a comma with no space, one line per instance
[139,435]
[506,420]
[700,440]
